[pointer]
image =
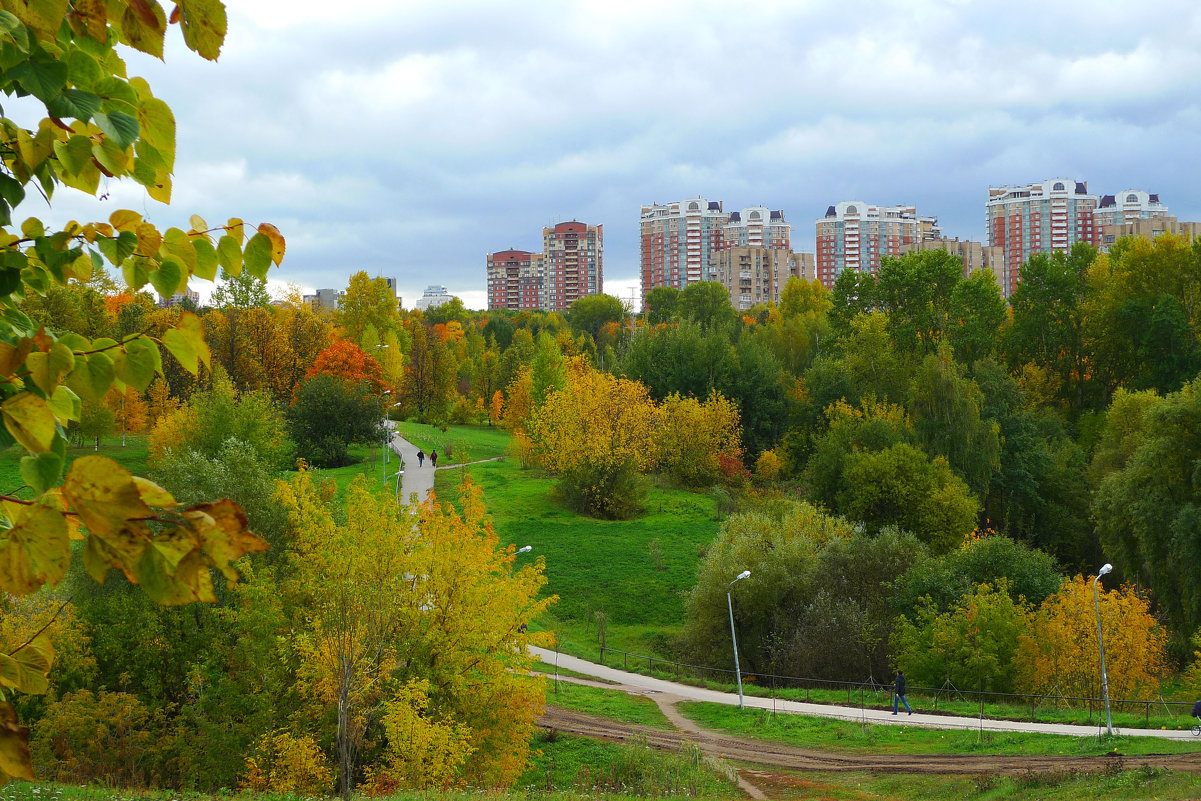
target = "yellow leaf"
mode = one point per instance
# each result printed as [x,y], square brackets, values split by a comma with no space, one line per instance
[277,241]
[30,421]
[36,550]
[26,669]
[47,369]
[14,746]
[149,240]
[104,494]
[222,527]
[13,356]
[125,220]
[154,495]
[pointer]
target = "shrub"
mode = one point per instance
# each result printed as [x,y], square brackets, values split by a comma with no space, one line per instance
[285,763]
[102,736]
[768,467]
[604,491]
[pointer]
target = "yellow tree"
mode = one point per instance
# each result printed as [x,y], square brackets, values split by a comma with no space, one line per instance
[404,618]
[129,411]
[1060,653]
[598,434]
[694,436]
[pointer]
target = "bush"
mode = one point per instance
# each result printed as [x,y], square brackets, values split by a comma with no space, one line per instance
[768,467]
[329,414]
[104,736]
[604,491]
[284,763]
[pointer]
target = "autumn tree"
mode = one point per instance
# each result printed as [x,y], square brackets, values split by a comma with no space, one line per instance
[695,436]
[345,361]
[329,414]
[598,435]
[1059,654]
[367,302]
[429,375]
[415,624]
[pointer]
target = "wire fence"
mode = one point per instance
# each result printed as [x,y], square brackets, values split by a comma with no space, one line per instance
[870,692]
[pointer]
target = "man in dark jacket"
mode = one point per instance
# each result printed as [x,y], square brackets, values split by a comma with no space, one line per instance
[898,696]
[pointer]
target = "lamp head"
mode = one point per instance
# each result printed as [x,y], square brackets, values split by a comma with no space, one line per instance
[1105,568]
[525,549]
[741,576]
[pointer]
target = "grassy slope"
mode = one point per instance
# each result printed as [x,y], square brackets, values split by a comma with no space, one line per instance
[844,735]
[458,444]
[600,565]
[610,704]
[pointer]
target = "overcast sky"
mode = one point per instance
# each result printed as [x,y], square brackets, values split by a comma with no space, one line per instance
[410,139]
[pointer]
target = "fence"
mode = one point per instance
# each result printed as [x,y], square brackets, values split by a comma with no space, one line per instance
[857,693]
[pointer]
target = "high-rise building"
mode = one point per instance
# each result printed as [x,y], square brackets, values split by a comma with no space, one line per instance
[433,297]
[323,299]
[1128,206]
[516,280]
[574,257]
[754,275]
[854,236]
[756,227]
[678,241]
[1037,218]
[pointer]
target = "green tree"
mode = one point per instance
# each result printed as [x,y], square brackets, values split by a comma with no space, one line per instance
[661,304]
[240,292]
[706,303]
[367,301]
[329,414]
[590,313]
[854,293]
[429,376]
[549,369]
[977,312]
[915,291]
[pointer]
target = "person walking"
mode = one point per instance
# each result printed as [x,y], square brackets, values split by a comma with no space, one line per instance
[898,694]
[434,459]
[420,457]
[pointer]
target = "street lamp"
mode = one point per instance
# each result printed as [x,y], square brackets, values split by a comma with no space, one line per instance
[383,457]
[519,552]
[1105,568]
[733,639]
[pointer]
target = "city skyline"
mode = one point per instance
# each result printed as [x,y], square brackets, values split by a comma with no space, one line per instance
[412,120]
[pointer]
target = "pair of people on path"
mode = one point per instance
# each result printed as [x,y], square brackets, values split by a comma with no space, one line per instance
[421,458]
[898,694]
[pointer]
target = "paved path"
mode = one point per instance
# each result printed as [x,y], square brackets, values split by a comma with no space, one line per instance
[634,682]
[418,480]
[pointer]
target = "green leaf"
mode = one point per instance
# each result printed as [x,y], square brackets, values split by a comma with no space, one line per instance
[204,26]
[83,70]
[136,272]
[119,248]
[229,255]
[74,153]
[183,582]
[11,190]
[138,363]
[47,369]
[158,126]
[11,28]
[119,127]
[111,156]
[29,419]
[186,342]
[93,376]
[178,245]
[10,280]
[166,279]
[65,404]
[26,671]
[42,471]
[41,76]
[206,258]
[257,259]
[74,103]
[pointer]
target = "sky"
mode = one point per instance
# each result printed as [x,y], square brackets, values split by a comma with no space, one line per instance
[411,139]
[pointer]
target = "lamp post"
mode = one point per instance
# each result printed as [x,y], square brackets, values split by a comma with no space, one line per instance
[1105,568]
[517,553]
[734,639]
[383,457]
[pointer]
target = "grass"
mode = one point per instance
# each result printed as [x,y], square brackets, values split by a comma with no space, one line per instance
[132,456]
[365,460]
[458,444]
[609,704]
[634,572]
[842,735]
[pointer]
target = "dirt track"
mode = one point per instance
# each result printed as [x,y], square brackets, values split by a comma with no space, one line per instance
[758,752]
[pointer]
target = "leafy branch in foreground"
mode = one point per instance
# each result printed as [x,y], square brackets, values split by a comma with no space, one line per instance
[99,123]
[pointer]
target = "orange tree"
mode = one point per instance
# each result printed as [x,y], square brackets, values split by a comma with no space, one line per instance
[598,435]
[1059,653]
[98,123]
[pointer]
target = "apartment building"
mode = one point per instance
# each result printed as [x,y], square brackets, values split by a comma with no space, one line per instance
[1038,218]
[754,275]
[1128,206]
[854,235]
[516,280]
[573,254]
[678,240]
[1148,227]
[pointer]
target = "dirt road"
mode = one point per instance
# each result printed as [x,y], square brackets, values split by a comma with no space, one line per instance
[759,752]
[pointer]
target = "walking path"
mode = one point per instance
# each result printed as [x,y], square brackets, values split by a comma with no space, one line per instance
[418,478]
[635,682]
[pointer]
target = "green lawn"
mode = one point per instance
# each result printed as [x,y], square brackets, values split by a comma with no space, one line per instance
[842,735]
[610,704]
[457,444]
[635,572]
[365,459]
[131,456]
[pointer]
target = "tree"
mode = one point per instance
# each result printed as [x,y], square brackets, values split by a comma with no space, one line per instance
[854,293]
[344,360]
[661,304]
[367,301]
[695,436]
[429,376]
[421,620]
[590,313]
[241,291]
[328,414]
[597,434]
[977,313]
[1059,654]
[706,303]
[794,329]
[915,291]
[548,371]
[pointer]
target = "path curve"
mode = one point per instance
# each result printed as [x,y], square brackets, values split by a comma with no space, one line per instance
[645,684]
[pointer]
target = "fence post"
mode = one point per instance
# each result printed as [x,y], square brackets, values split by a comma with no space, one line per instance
[602,654]
[625,661]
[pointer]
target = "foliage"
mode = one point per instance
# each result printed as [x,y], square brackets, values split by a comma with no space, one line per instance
[971,644]
[706,303]
[1059,654]
[285,763]
[590,313]
[346,361]
[977,313]
[597,435]
[367,302]
[329,414]
[915,292]
[693,436]
[421,753]
[768,466]
[1147,506]
[101,736]
[429,375]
